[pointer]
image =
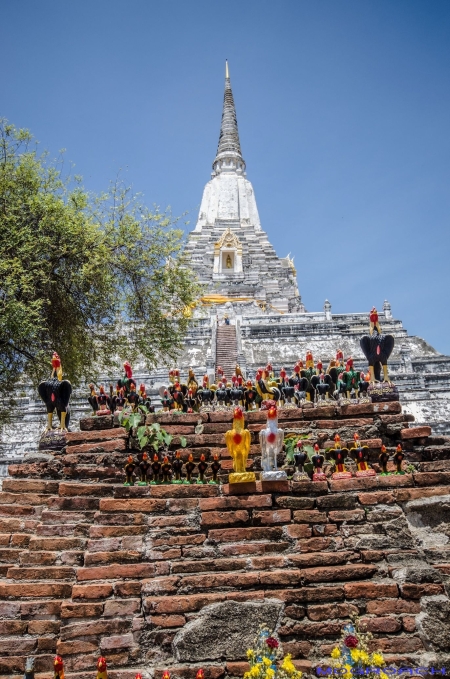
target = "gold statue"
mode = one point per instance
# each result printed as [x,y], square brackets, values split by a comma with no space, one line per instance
[229,263]
[238,443]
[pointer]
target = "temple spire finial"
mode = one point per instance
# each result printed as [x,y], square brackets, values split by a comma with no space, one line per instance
[229,156]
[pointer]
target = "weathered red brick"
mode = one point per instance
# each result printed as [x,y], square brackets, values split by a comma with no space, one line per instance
[72,488]
[41,627]
[180,604]
[48,573]
[116,571]
[280,577]
[397,645]
[350,516]
[331,573]
[11,627]
[271,517]
[32,590]
[117,641]
[129,505]
[72,610]
[383,497]
[38,609]
[319,558]
[100,591]
[168,620]
[387,624]
[432,478]
[310,516]
[71,647]
[229,518]
[30,486]
[415,432]
[370,590]
[238,534]
[121,607]
[386,606]
[298,531]
[235,502]
[412,591]
[329,611]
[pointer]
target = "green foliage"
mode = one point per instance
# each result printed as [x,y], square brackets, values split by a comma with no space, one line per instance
[74,268]
[290,443]
[150,435]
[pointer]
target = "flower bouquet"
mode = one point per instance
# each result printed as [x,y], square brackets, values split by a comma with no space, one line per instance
[266,658]
[351,657]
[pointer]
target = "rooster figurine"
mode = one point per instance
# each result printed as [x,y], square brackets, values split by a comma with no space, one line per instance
[58,666]
[102,672]
[128,380]
[55,392]
[271,439]
[93,399]
[238,441]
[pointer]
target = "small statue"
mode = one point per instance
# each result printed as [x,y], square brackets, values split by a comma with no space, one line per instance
[300,458]
[102,672]
[55,392]
[177,466]
[373,318]
[266,386]
[271,439]
[190,401]
[250,396]
[166,470]
[229,263]
[238,442]
[318,459]
[190,466]
[351,378]
[133,397]
[192,382]
[93,401]
[58,667]
[29,668]
[399,456]
[144,468]
[339,454]
[384,459]
[103,405]
[359,454]
[120,400]
[377,348]
[126,381]
[222,396]
[205,395]
[156,468]
[287,390]
[202,467]
[145,400]
[215,468]
[129,470]
[166,401]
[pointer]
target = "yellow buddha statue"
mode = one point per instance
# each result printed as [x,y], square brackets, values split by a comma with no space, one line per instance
[229,263]
[238,443]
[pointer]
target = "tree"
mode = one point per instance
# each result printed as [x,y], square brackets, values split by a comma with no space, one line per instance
[98,279]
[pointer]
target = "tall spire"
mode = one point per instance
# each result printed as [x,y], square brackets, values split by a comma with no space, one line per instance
[229,155]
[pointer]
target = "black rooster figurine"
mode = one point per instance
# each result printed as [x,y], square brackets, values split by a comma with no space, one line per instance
[177,466]
[55,392]
[215,468]
[377,348]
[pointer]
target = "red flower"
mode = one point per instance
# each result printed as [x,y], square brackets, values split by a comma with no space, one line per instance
[350,641]
[271,642]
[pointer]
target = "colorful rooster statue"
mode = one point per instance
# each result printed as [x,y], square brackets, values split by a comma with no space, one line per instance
[271,439]
[102,672]
[58,666]
[55,392]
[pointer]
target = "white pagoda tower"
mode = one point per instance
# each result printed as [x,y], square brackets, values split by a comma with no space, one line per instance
[228,250]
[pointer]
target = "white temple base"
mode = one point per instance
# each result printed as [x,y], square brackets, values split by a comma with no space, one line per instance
[278,475]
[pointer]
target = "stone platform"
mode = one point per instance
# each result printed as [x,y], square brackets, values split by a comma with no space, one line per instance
[168,577]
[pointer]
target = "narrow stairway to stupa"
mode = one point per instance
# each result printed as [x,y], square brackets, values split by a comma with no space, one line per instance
[226,349]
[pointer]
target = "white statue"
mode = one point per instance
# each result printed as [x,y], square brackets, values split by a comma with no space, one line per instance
[271,439]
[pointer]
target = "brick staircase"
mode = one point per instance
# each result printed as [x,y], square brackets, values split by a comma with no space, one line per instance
[91,567]
[226,349]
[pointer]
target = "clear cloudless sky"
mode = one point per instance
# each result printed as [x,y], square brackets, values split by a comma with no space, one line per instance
[343,110]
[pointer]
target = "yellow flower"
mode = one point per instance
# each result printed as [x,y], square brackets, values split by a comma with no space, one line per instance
[247,675]
[377,659]
[254,672]
[267,662]
[335,653]
[355,653]
[250,653]
[364,657]
[383,675]
[270,673]
[287,665]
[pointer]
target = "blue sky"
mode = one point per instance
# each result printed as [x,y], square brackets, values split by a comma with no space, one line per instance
[343,111]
